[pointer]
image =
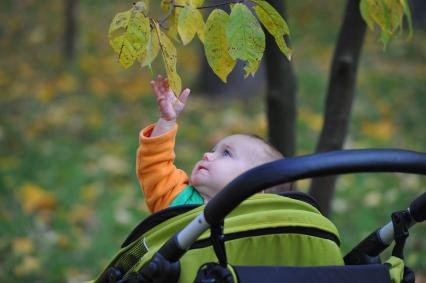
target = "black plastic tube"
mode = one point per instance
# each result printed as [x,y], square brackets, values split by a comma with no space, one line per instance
[418,208]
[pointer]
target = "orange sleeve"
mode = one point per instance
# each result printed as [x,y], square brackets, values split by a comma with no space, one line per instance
[159,178]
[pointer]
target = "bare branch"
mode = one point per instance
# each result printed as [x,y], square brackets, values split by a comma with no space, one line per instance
[214,5]
[172,7]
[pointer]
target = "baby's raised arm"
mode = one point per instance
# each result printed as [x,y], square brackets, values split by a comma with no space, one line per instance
[169,105]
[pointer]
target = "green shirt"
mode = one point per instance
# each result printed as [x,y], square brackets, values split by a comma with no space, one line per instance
[189,195]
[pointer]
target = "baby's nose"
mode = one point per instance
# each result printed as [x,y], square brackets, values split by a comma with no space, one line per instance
[207,156]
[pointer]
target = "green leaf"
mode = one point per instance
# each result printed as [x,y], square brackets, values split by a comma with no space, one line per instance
[407,14]
[396,11]
[120,21]
[142,6]
[244,34]
[388,15]
[196,3]
[172,30]
[190,22]
[251,68]
[274,24]
[365,13]
[168,50]
[151,51]
[216,45]
[134,38]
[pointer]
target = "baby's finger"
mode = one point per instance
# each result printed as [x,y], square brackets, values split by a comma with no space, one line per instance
[184,95]
[166,83]
[153,85]
[155,88]
[161,97]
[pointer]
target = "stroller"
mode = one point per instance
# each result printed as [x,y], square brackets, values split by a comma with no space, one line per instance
[241,236]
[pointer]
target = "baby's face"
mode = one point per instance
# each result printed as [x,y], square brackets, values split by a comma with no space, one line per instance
[230,157]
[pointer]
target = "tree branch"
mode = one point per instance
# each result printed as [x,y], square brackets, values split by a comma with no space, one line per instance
[214,5]
[172,7]
[340,95]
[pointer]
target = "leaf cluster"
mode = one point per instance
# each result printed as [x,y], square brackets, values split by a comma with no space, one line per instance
[388,15]
[135,36]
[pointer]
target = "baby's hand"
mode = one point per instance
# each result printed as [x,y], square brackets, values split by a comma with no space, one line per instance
[170,106]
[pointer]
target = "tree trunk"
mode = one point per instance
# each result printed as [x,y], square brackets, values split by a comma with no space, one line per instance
[70,29]
[280,95]
[418,13]
[339,98]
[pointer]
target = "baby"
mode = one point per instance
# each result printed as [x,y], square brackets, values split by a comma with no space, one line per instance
[163,184]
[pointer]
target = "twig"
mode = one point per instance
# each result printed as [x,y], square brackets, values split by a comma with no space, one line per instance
[214,5]
[169,13]
[174,5]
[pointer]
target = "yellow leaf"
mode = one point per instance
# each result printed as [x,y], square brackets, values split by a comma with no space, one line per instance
[81,215]
[274,24]
[396,13]
[181,3]
[90,193]
[151,51]
[373,199]
[196,3]
[172,32]
[64,241]
[133,42]
[169,53]
[244,34]
[120,21]
[35,198]
[313,120]
[142,6]
[365,13]
[66,82]
[387,14]
[98,86]
[190,22]
[22,245]
[251,67]
[382,130]
[166,5]
[27,266]
[45,91]
[173,20]
[216,45]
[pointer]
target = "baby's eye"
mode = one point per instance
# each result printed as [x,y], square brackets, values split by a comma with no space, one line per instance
[227,153]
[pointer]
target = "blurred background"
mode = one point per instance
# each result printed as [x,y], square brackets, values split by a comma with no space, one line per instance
[70,117]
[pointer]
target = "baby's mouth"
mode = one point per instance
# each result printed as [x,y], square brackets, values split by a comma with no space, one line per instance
[201,167]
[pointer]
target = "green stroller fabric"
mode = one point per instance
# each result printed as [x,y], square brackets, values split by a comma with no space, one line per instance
[264,230]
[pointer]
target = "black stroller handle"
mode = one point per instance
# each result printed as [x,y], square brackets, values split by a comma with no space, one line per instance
[418,208]
[292,169]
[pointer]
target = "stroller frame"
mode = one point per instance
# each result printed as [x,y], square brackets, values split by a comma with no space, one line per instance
[164,264]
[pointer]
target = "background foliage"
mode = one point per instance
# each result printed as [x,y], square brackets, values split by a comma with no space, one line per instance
[68,133]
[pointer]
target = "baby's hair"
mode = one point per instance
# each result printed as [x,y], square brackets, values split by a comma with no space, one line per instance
[272,154]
